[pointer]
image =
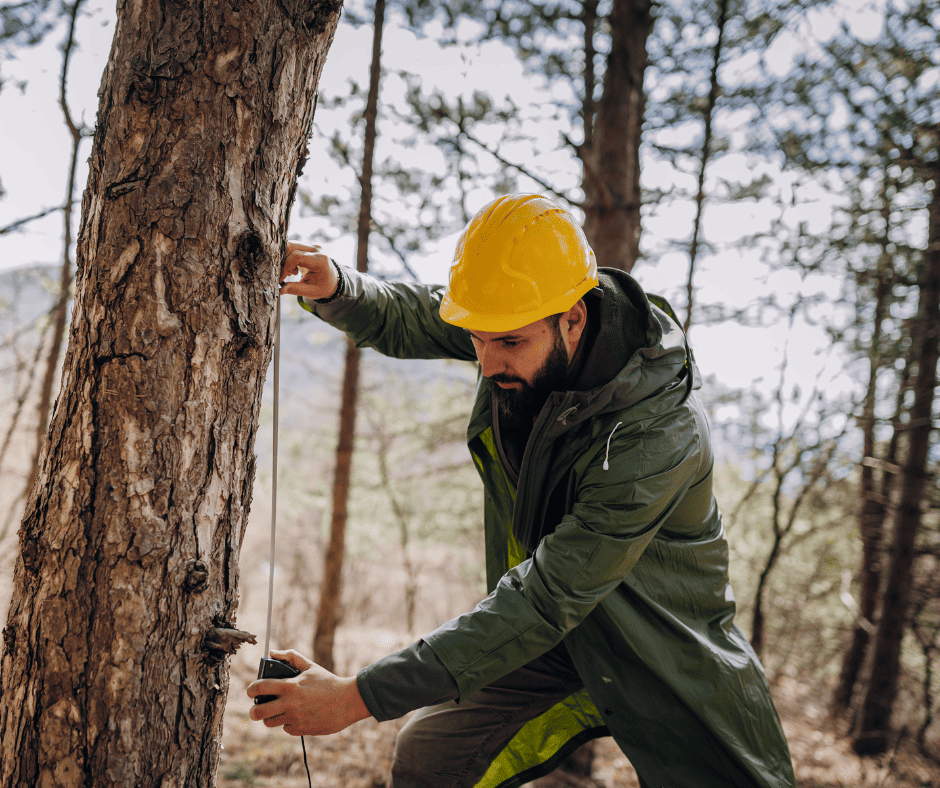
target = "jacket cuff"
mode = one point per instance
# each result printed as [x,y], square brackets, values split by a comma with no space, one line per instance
[340,285]
[404,681]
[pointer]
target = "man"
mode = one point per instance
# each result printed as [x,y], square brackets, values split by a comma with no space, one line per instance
[610,611]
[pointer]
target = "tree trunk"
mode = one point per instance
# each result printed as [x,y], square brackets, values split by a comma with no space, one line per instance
[871,512]
[60,311]
[874,718]
[113,670]
[589,20]
[611,180]
[332,584]
[709,115]
[331,587]
[757,617]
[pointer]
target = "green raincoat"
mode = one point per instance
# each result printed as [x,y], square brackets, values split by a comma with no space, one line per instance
[609,540]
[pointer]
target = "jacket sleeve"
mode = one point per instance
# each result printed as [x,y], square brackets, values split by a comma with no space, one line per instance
[592,551]
[398,319]
[406,680]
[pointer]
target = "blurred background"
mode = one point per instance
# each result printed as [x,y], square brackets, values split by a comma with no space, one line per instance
[787,188]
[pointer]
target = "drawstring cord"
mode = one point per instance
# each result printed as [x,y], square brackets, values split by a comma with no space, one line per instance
[607,456]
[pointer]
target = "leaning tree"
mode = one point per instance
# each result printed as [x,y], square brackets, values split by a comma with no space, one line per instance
[113,669]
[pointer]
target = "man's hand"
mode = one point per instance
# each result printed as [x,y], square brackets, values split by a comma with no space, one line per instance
[314,703]
[318,276]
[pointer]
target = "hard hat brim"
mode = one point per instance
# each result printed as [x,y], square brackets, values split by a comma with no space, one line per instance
[456,315]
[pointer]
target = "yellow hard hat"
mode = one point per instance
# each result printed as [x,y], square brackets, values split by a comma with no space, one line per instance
[521,258]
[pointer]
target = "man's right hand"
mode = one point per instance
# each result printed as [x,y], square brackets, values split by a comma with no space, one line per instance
[318,275]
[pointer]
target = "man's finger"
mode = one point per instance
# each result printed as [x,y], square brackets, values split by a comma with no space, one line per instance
[301,261]
[296,246]
[273,687]
[261,711]
[293,658]
[291,288]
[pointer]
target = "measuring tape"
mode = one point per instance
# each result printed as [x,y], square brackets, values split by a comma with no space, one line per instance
[276,668]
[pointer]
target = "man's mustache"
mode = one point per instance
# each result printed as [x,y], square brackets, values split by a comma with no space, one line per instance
[499,377]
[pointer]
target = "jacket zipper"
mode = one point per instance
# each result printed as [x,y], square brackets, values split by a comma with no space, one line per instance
[526,474]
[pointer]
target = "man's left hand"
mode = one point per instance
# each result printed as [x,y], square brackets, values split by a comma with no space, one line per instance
[313,703]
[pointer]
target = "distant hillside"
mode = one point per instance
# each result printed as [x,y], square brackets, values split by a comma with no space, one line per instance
[311,357]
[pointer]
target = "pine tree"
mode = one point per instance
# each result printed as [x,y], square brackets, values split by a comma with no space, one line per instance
[113,668]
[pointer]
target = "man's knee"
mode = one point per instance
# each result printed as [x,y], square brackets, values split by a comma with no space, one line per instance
[420,758]
[444,747]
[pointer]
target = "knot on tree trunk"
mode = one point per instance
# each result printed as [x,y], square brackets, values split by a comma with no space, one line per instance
[197,577]
[315,17]
[223,640]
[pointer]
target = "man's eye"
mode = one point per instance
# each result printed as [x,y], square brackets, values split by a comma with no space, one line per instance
[510,343]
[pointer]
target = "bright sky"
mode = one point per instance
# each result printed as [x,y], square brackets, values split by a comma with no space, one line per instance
[34,150]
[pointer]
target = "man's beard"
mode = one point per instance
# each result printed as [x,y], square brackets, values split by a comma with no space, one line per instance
[519,407]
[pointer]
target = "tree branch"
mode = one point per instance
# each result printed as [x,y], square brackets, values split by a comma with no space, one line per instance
[12,227]
[518,167]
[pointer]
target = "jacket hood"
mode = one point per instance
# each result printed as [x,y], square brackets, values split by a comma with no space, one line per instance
[617,373]
[637,350]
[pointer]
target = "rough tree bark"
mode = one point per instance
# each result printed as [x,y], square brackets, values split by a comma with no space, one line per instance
[611,180]
[113,669]
[873,721]
[331,587]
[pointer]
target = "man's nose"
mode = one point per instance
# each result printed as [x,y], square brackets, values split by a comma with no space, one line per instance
[489,358]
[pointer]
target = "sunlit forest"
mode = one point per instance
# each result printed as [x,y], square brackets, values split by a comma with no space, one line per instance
[770,168]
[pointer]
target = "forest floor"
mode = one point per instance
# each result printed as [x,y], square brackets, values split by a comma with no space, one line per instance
[359,757]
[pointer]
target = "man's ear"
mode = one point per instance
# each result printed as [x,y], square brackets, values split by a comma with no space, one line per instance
[572,323]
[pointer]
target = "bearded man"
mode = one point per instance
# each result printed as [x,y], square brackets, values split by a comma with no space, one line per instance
[610,611]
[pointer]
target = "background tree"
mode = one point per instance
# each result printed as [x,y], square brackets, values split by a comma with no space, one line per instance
[708,116]
[872,727]
[331,586]
[606,106]
[880,291]
[59,315]
[879,137]
[28,24]
[113,653]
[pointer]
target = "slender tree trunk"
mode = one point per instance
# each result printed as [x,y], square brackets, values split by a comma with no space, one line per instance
[589,20]
[874,718]
[328,613]
[611,180]
[403,517]
[21,398]
[757,617]
[331,587]
[872,510]
[709,114]
[113,668]
[60,311]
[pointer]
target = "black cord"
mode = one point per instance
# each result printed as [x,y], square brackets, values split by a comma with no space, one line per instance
[304,748]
